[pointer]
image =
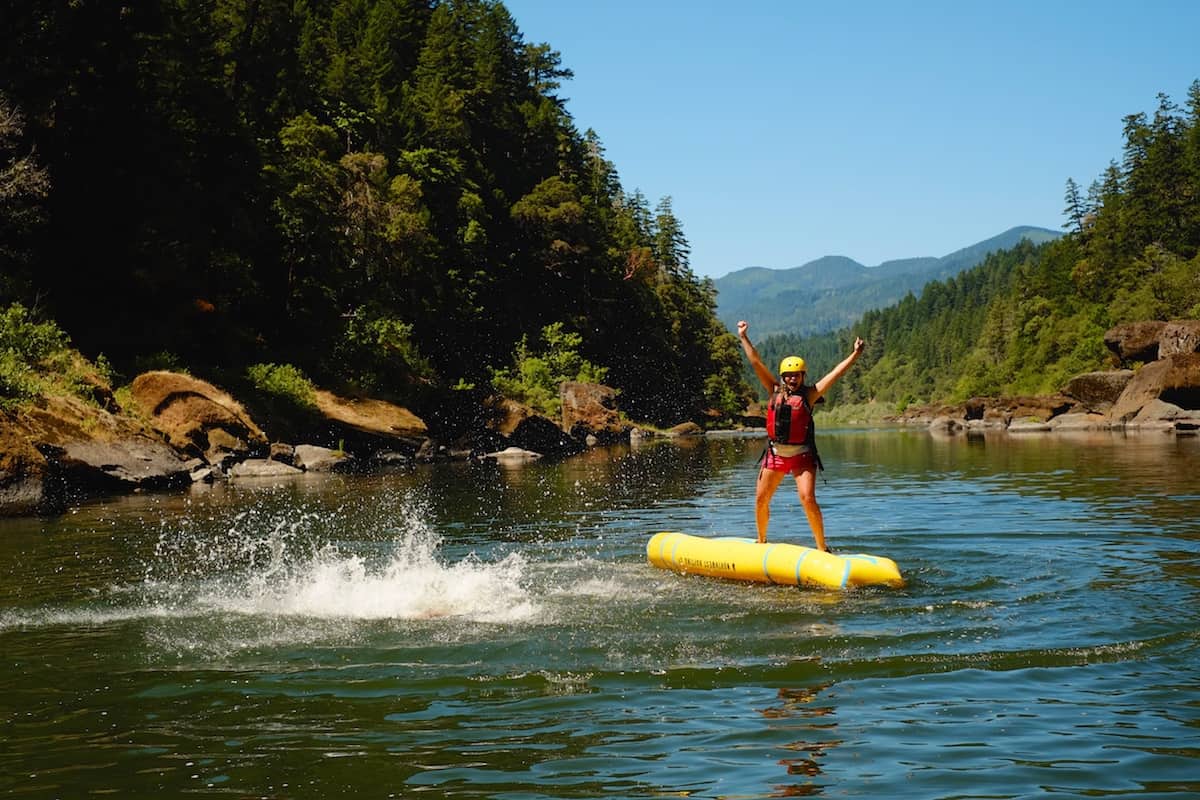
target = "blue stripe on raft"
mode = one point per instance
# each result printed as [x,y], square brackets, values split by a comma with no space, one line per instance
[766,553]
[845,574]
[800,561]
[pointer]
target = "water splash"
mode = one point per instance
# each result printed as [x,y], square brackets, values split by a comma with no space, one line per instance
[411,585]
[340,564]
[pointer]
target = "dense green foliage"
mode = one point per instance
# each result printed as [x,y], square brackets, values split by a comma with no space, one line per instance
[284,383]
[387,194]
[537,373]
[36,358]
[1029,318]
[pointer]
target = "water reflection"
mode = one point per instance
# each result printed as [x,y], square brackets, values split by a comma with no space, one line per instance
[798,706]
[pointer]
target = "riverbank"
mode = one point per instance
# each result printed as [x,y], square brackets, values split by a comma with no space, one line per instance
[170,429]
[82,437]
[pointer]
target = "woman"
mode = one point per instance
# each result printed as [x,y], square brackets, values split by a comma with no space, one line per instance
[790,445]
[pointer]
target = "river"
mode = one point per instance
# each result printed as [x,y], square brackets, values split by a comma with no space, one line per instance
[484,631]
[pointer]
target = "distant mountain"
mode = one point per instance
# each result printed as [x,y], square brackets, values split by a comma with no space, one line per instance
[834,291]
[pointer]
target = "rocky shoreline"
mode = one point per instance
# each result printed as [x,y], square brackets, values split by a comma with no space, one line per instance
[175,430]
[1161,396]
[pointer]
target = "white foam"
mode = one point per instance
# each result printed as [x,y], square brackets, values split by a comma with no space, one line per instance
[289,564]
[337,586]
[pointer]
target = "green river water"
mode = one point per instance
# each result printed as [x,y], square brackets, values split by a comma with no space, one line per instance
[482,631]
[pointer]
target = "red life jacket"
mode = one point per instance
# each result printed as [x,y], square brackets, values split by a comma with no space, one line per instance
[789,418]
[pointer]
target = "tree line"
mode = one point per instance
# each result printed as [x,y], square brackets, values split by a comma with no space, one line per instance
[388,195]
[1027,319]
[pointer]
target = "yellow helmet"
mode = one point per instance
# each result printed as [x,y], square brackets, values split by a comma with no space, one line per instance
[791,364]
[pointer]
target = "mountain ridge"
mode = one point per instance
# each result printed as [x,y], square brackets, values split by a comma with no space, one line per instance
[834,291]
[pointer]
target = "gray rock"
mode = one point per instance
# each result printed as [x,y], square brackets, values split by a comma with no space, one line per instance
[263,468]
[1080,421]
[22,493]
[945,424]
[514,454]
[137,462]
[313,458]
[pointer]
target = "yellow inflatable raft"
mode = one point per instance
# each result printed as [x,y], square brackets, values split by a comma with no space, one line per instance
[747,560]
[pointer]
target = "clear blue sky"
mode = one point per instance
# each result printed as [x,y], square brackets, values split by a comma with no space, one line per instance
[786,131]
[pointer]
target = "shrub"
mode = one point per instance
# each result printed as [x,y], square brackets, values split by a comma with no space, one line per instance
[31,341]
[535,376]
[30,354]
[285,382]
[380,352]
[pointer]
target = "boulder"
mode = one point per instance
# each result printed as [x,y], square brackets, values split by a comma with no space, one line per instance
[1174,380]
[1097,391]
[1160,415]
[590,409]
[224,448]
[23,471]
[312,458]
[513,455]
[283,453]
[368,424]
[1004,411]
[1080,421]
[685,429]
[134,462]
[263,468]
[63,448]
[521,426]
[196,417]
[1135,341]
[925,415]
[944,423]
[1179,337]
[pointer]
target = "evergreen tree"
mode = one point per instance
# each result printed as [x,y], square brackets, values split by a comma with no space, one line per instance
[670,245]
[1075,210]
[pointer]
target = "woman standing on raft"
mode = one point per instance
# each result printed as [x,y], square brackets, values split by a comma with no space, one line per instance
[790,446]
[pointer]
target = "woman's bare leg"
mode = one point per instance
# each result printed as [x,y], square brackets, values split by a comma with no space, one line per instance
[764,490]
[806,486]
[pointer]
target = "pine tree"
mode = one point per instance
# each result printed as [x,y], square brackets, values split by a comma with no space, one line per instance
[1075,210]
[671,249]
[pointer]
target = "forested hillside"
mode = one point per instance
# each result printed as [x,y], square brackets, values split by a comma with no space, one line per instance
[384,194]
[1029,318]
